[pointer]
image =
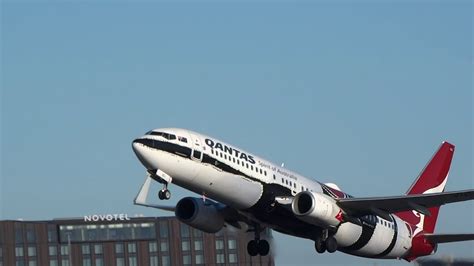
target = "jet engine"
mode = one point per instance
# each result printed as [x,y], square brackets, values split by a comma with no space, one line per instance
[316,208]
[200,214]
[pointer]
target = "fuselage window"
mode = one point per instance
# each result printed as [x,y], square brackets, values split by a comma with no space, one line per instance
[225,156]
[247,165]
[274,177]
[238,162]
[286,181]
[282,180]
[261,172]
[233,159]
[294,185]
[302,188]
[183,139]
[265,173]
[251,167]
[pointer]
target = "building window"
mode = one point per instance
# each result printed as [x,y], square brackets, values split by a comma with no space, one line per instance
[86,249]
[197,233]
[20,262]
[19,252]
[98,248]
[52,250]
[65,262]
[30,234]
[31,251]
[231,244]
[232,258]
[197,244]
[219,244]
[64,250]
[220,258]
[184,230]
[185,245]
[52,236]
[164,228]
[164,246]
[153,260]
[186,259]
[18,234]
[132,247]
[152,247]
[86,262]
[118,248]
[32,262]
[99,261]
[165,260]
[120,261]
[132,260]
[199,259]
[53,262]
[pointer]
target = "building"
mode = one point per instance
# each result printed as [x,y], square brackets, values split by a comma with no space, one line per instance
[119,240]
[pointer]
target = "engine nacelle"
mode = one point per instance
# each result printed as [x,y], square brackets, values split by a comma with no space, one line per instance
[316,208]
[199,214]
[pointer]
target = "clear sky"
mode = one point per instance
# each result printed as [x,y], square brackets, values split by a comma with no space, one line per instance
[356,94]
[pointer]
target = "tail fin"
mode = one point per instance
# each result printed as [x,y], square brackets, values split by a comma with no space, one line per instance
[432,179]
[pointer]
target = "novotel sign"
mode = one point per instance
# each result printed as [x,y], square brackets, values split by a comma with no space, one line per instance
[106,217]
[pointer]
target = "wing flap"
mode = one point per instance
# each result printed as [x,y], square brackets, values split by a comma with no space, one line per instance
[418,202]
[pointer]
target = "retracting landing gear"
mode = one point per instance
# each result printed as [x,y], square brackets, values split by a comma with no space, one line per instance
[165,179]
[325,243]
[258,246]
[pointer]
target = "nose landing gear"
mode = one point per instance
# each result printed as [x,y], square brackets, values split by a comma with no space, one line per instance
[165,179]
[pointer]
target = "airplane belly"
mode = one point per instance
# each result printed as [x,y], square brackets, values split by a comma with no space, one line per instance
[234,190]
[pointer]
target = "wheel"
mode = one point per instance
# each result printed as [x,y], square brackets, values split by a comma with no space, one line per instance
[331,244]
[252,248]
[167,194]
[319,245]
[263,247]
[161,195]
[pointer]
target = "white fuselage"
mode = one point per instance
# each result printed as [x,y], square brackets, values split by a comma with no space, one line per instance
[238,179]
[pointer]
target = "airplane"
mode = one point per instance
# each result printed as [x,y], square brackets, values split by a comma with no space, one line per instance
[250,193]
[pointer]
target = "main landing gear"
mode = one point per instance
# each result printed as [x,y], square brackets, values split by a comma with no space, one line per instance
[325,243]
[165,179]
[258,246]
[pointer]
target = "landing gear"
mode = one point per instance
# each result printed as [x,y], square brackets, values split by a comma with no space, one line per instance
[319,245]
[258,246]
[164,194]
[165,179]
[325,243]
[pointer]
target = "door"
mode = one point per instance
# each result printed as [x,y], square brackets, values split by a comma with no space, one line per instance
[197,149]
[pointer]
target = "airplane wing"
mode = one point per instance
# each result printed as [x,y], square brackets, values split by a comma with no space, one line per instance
[383,206]
[446,238]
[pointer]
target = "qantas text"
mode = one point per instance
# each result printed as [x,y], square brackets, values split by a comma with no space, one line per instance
[230,151]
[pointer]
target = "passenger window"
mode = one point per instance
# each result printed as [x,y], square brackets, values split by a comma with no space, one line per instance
[247,165]
[233,159]
[274,177]
[265,173]
[251,167]
[261,171]
[225,156]
[294,185]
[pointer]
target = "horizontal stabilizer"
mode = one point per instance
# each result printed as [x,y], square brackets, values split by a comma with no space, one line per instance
[418,202]
[446,238]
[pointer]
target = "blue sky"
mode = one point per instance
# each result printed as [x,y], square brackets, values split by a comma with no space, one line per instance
[356,94]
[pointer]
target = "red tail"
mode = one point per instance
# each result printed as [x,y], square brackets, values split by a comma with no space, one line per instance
[432,179]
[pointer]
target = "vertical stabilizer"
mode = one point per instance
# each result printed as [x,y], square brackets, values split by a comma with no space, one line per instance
[432,179]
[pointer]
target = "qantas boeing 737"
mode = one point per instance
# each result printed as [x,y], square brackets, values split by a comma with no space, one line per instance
[243,190]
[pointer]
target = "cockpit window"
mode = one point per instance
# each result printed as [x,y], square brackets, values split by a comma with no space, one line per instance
[183,139]
[162,134]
